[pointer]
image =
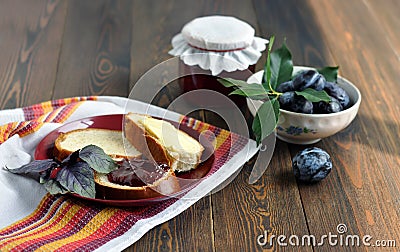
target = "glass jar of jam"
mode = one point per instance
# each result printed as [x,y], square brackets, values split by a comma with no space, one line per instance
[215,47]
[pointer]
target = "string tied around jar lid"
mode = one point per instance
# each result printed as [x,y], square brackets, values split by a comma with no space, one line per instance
[214,50]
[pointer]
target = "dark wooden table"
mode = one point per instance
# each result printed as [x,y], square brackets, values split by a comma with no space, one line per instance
[55,49]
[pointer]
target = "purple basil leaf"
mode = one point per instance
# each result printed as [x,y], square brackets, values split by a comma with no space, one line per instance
[72,158]
[78,178]
[45,175]
[54,187]
[97,159]
[35,166]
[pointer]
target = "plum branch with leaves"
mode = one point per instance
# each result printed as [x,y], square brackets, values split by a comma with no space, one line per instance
[278,69]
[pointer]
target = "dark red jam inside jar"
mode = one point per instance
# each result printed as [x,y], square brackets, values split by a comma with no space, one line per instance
[193,80]
[137,172]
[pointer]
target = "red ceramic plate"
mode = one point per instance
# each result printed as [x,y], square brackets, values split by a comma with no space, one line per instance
[44,150]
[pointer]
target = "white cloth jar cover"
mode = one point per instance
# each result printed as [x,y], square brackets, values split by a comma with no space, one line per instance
[218,43]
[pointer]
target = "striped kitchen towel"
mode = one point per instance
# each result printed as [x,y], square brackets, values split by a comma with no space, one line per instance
[31,219]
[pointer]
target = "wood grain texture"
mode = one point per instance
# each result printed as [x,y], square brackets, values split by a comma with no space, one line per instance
[30,41]
[242,211]
[95,52]
[243,235]
[154,23]
[386,14]
[295,22]
[154,39]
[308,46]
[178,233]
[362,191]
[55,49]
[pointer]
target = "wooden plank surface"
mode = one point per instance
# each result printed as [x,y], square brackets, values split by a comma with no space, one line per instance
[154,40]
[294,22]
[364,192]
[54,49]
[241,211]
[386,15]
[30,41]
[223,216]
[94,57]
[298,26]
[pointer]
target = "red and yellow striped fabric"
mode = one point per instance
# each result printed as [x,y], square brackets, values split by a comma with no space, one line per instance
[56,111]
[62,223]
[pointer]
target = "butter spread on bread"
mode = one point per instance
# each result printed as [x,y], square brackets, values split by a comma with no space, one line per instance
[109,140]
[163,142]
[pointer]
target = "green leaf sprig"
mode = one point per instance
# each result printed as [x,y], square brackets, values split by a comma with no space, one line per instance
[278,69]
[74,174]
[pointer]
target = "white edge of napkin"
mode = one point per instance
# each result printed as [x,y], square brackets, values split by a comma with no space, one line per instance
[11,115]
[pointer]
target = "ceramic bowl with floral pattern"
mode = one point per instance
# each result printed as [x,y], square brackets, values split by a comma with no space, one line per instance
[299,128]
